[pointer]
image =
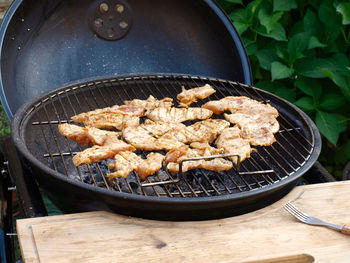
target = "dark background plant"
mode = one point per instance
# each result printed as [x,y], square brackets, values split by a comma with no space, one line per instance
[299,50]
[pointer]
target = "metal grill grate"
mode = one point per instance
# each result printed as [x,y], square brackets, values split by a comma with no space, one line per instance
[267,166]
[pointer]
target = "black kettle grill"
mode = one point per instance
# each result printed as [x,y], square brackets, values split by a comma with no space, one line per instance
[47,43]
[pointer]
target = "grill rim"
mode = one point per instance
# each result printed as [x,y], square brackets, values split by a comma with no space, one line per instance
[25,110]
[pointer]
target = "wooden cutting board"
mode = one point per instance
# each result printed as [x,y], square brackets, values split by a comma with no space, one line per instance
[266,235]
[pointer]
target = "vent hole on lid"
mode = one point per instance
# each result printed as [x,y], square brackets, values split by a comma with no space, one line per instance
[98,22]
[104,8]
[111,32]
[119,8]
[123,24]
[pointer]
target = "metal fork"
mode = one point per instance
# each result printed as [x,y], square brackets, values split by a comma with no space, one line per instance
[292,209]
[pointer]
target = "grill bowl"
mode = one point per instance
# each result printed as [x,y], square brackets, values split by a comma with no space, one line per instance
[201,195]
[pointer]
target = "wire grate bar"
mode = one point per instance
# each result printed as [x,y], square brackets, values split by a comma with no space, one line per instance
[266,166]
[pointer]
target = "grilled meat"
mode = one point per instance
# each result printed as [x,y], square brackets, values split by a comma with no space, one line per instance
[154,136]
[131,110]
[205,131]
[140,138]
[87,135]
[107,143]
[108,120]
[116,117]
[152,164]
[175,156]
[240,104]
[187,97]
[157,129]
[179,114]
[127,162]
[257,129]
[144,137]
[151,103]
[232,142]
[98,153]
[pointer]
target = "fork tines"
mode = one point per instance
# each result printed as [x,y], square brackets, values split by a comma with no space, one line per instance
[292,209]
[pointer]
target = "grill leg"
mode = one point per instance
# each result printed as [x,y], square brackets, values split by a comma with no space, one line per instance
[28,194]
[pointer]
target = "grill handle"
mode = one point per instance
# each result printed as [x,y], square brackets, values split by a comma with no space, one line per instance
[180,174]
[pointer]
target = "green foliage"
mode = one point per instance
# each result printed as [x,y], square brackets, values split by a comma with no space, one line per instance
[4,124]
[300,51]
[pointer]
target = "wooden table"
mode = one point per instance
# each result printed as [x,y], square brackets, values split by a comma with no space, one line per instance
[266,235]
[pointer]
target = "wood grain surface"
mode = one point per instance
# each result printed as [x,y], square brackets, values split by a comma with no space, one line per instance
[267,235]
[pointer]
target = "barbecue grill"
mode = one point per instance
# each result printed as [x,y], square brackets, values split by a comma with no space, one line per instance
[200,194]
[46,44]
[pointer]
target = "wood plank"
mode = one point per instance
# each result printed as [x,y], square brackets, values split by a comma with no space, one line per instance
[266,235]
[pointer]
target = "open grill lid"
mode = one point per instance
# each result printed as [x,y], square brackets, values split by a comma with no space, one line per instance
[45,44]
[269,169]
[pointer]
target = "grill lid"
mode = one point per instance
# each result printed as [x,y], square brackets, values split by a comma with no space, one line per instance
[45,44]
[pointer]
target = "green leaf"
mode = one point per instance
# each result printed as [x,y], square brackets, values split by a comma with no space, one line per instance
[328,125]
[309,67]
[241,27]
[330,19]
[342,82]
[280,71]
[278,33]
[343,122]
[250,46]
[331,102]
[269,85]
[240,20]
[252,7]
[266,57]
[313,25]
[306,103]
[235,1]
[284,5]
[296,45]
[7,131]
[314,43]
[311,87]
[340,64]
[286,93]
[268,20]
[344,10]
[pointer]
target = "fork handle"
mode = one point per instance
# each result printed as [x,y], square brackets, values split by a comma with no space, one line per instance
[345,230]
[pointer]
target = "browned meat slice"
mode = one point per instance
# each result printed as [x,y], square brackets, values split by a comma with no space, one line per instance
[107,143]
[174,157]
[111,121]
[205,131]
[99,153]
[116,109]
[240,104]
[143,138]
[126,162]
[187,97]
[257,129]
[151,103]
[179,114]
[87,135]
[253,122]
[116,117]
[231,141]
[75,133]
[157,129]
[149,166]
[140,138]
[154,136]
